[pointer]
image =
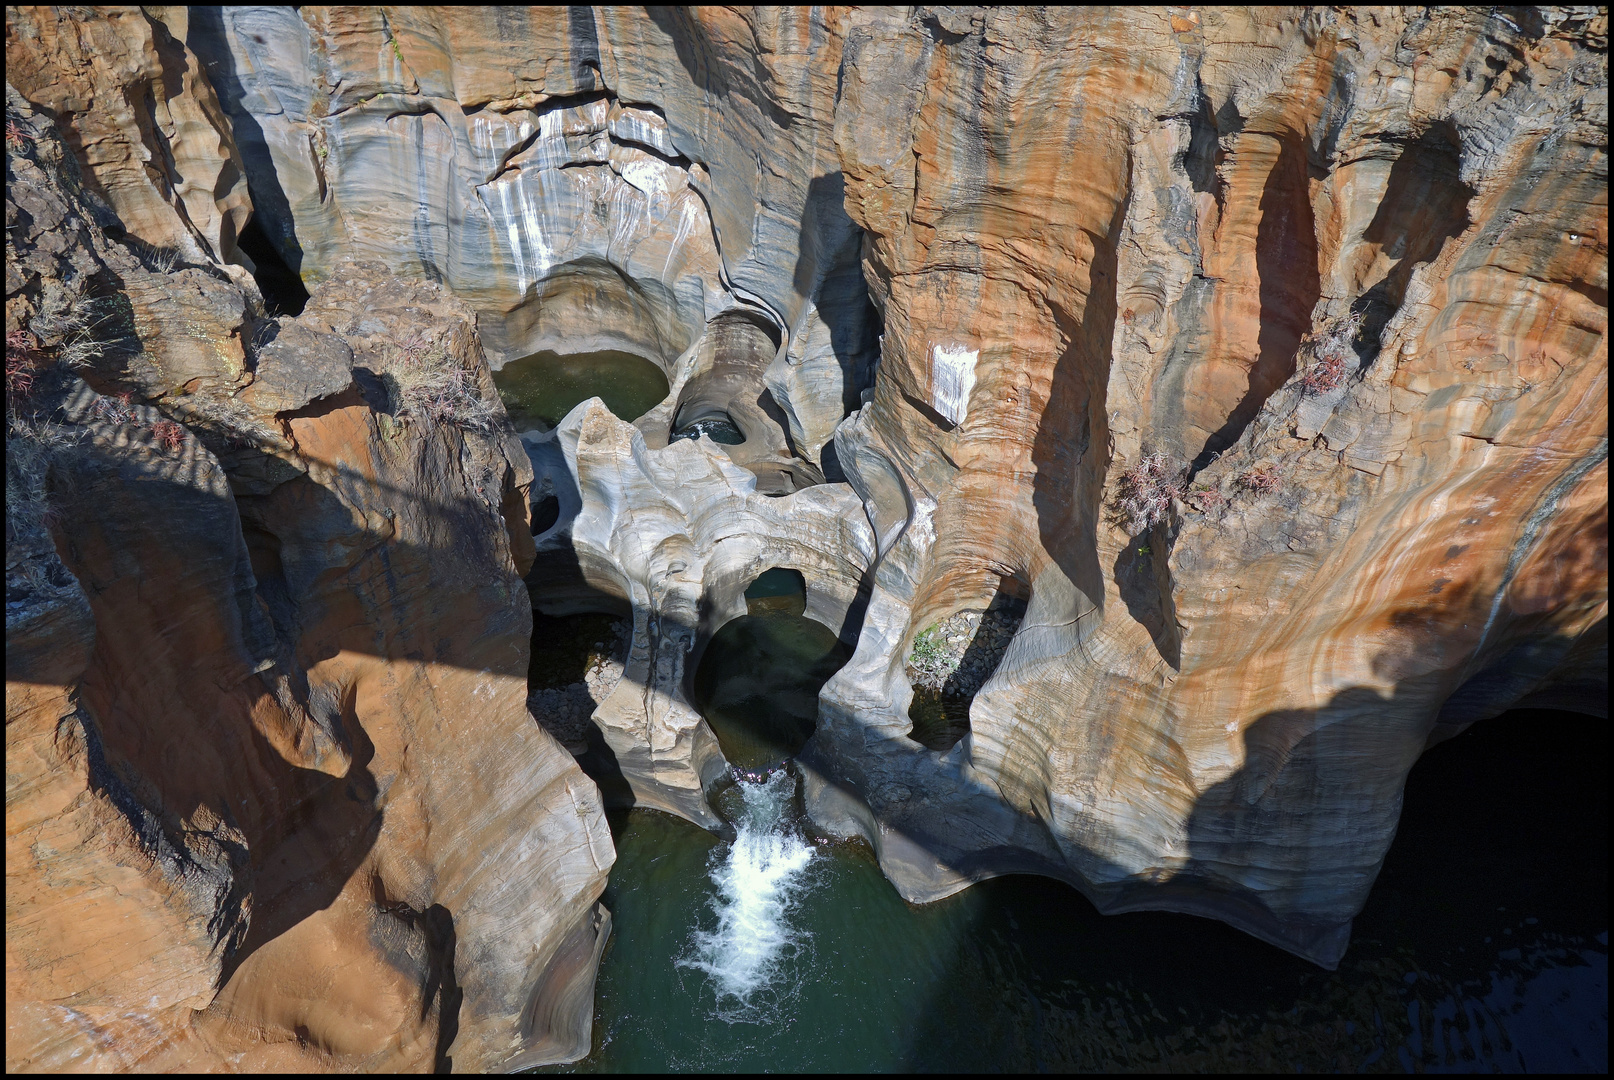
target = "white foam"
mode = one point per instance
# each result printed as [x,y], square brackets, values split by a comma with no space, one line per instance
[758,881]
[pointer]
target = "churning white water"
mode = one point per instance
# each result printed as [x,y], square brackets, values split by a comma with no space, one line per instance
[758,880]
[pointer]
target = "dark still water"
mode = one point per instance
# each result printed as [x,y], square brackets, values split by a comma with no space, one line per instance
[1484,945]
[539,390]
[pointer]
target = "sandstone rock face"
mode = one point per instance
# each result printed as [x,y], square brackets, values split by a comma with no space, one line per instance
[274,800]
[555,169]
[1262,352]
[1104,236]
[140,114]
[675,536]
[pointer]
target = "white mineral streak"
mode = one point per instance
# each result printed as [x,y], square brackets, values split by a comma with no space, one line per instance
[651,176]
[952,377]
[646,129]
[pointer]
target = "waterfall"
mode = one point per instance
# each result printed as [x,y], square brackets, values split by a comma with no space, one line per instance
[759,879]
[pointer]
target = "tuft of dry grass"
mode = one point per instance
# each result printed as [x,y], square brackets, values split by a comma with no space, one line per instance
[1145,490]
[424,383]
[114,410]
[1331,349]
[32,446]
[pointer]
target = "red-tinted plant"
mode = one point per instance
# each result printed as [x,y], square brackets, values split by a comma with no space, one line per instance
[22,361]
[169,434]
[1262,479]
[16,136]
[1144,493]
[1208,500]
[1331,349]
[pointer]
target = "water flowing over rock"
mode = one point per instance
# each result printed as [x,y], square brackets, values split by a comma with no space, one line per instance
[1260,354]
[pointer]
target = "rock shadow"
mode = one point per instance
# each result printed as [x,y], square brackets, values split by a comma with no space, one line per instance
[1290,285]
[1142,572]
[1425,204]
[208,37]
[1470,875]
[1069,486]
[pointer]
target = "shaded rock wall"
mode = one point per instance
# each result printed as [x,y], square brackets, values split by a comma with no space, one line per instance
[274,800]
[1338,279]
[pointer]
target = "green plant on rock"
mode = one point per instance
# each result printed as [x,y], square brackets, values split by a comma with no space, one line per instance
[929,647]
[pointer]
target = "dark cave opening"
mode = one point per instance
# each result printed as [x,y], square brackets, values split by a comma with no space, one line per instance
[283,290]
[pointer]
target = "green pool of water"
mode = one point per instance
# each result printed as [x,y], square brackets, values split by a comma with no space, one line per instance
[539,390]
[1483,947]
[759,679]
[719,429]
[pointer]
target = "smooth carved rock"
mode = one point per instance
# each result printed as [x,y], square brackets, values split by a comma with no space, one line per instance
[456,151]
[676,535]
[1217,715]
[274,799]
[1092,237]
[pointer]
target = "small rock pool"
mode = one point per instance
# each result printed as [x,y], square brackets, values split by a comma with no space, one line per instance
[539,390]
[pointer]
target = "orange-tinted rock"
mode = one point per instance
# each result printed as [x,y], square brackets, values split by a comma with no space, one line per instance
[135,106]
[1097,239]
[274,800]
[1134,235]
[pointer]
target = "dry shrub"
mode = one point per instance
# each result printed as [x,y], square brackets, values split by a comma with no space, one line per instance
[428,385]
[1261,479]
[31,446]
[169,435]
[1143,496]
[114,410]
[1331,349]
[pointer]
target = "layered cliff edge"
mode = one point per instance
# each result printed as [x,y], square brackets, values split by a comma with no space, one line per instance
[1258,359]
[274,800]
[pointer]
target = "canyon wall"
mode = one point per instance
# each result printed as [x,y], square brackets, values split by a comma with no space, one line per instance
[273,797]
[1330,290]
[1259,356]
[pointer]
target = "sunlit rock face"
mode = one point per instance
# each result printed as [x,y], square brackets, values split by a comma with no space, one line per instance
[274,801]
[1100,236]
[585,179]
[677,535]
[1337,282]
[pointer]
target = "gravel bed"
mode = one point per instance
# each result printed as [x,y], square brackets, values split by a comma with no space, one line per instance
[566,711]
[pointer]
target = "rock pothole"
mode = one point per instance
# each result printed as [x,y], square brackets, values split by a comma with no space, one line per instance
[948,665]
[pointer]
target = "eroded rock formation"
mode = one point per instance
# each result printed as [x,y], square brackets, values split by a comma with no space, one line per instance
[1262,353]
[274,800]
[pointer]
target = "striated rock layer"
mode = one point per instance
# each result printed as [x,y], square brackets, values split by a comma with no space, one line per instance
[273,797]
[1261,353]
